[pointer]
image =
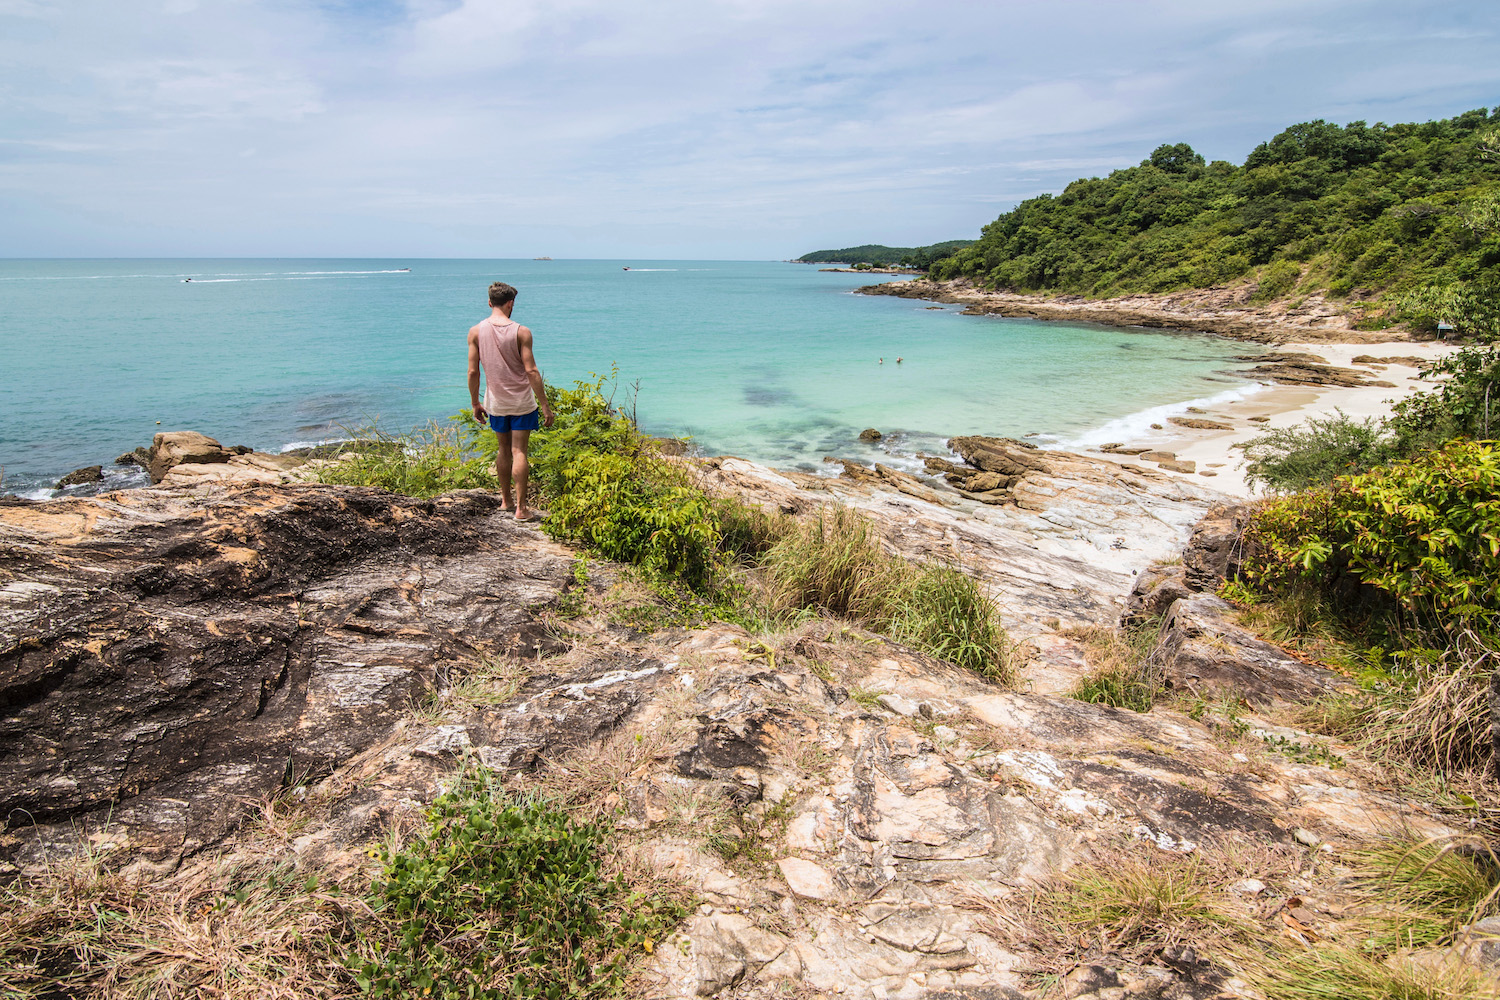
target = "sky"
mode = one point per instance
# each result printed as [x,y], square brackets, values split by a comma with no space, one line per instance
[701,129]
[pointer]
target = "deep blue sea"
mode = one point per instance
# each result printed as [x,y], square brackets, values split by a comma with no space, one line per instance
[772,361]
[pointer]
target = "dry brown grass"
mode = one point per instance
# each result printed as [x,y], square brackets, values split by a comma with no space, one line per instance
[236,928]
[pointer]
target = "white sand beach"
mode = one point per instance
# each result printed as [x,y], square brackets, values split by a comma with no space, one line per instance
[1217,460]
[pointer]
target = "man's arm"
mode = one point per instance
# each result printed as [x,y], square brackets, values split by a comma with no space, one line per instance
[534,374]
[479,413]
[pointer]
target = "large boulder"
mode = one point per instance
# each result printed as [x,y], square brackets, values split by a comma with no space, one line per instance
[173,448]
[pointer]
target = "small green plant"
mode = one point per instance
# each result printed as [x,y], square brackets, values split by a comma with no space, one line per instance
[503,897]
[427,461]
[834,563]
[1334,972]
[1304,753]
[1426,890]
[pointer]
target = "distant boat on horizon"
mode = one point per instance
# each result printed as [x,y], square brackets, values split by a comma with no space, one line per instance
[624,268]
[541,258]
[403,269]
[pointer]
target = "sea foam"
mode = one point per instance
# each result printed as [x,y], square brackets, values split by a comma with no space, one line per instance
[1135,426]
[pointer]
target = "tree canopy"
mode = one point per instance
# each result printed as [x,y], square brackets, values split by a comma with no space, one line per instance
[884,256]
[1350,210]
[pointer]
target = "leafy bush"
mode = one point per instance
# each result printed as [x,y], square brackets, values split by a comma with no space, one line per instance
[1465,404]
[1314,453]
[505,898]
[1277,279]
[640,510]
[1425,534]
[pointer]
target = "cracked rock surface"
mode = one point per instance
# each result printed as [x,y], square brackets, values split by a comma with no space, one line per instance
[849,813]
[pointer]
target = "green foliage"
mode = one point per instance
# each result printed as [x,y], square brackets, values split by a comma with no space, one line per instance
[883,256]
[1434,888]
[1471,308]
[586,422]
[641,510]
[428,461]
[505,898]
[1124,673]
[1383,207]
[1425,534]
[1314,453]
[1277,279]
[1465,404]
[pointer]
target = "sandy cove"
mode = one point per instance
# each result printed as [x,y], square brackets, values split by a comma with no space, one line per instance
[1215,453]
[1309,326]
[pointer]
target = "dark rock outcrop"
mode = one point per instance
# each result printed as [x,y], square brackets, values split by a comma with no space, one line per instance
[82,477]
[1216,550]
[167,658]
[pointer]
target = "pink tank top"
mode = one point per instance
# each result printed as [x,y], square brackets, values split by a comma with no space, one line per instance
[507,390]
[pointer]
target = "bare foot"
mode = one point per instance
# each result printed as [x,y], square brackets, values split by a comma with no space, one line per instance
[522,514]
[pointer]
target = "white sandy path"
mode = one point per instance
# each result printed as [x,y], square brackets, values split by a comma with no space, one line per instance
[1287,406]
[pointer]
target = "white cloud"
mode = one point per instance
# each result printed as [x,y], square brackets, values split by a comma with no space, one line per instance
[455,126]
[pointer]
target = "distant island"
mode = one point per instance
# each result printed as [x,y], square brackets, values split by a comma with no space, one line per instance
[883,256]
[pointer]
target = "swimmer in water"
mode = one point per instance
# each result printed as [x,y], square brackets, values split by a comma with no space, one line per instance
[898,361]
[882,360]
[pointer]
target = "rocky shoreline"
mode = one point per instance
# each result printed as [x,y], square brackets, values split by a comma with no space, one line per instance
[1226,311]
[178,657]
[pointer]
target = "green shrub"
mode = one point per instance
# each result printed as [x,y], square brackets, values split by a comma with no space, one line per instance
[501,897]
[640,510]
[1314,453]
[1424,533]
[1465,404]
[1276,280]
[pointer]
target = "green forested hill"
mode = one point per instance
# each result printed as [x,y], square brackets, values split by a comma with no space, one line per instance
[1350,210]
[883,256]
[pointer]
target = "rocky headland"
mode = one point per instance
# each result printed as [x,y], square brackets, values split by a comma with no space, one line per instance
[1225,310]
[176,658]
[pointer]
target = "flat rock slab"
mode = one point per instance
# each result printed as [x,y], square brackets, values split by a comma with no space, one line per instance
[170,656]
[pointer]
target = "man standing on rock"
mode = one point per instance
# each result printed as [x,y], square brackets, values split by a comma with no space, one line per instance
[513,386]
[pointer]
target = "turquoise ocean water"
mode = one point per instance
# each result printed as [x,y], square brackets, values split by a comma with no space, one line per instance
[772,361]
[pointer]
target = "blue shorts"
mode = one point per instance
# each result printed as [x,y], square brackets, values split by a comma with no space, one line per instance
[502,424]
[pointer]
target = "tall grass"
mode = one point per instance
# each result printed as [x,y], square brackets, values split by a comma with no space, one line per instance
[1428,889]
[1125,673]
[834,563]
[425,462]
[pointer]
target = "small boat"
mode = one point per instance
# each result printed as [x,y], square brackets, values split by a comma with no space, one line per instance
[541,258]
[403,269]
[624,268]
[186,280]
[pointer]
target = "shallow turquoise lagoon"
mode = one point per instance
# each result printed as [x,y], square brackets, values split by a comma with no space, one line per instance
[773,361]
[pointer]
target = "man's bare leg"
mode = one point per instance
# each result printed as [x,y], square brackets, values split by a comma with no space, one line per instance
[521,464]
[503,468]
